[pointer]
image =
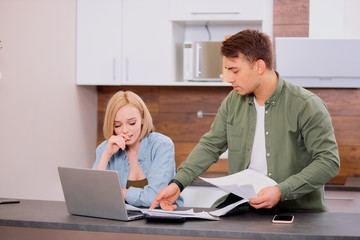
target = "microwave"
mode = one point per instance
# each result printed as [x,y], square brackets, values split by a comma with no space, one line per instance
[202,61]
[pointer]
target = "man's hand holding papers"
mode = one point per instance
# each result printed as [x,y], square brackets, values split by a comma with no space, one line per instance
[246,184]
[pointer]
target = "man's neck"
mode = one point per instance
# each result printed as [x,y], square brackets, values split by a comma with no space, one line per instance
[267,87]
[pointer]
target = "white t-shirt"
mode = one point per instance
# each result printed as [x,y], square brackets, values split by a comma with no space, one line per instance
[258,154]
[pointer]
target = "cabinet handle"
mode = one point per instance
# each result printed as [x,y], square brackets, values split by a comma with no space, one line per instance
[198,60]
[217,13]
[114,69]
[126,69]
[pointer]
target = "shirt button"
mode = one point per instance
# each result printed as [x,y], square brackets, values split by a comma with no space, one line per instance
[273,102]
[267,133]
[268,154]
[269,173]
[266,112]
[285,199]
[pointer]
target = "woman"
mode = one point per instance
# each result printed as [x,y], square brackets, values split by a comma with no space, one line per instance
[144,159]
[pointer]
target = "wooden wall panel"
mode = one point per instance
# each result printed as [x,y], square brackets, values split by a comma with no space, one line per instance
[174,108]
[293,31]
[192,99]
[291,12]
[347,130]
[340,101]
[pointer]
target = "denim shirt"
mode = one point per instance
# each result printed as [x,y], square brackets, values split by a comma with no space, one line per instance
[156,158]
[301,149]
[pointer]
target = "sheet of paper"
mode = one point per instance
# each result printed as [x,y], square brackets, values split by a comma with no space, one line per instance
[206,215]
[131,207]
[225,210]
[185,213]
[163,212]
[245,191]
[245,184]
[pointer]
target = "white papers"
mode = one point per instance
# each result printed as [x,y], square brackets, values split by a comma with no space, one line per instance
[246,184]
[186,213]
[225,210]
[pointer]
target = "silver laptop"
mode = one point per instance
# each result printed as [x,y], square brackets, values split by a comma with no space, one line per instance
[95,193]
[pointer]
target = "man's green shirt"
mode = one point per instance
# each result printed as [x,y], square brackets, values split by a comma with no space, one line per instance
[301,149]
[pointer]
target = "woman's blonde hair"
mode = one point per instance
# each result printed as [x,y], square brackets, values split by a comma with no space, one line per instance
[117,101]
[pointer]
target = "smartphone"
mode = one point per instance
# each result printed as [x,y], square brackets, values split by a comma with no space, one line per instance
[283,219]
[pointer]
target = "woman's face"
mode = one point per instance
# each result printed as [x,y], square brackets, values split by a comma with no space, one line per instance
[128,122]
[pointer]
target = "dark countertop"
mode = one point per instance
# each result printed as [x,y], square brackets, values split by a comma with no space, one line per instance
[249,225]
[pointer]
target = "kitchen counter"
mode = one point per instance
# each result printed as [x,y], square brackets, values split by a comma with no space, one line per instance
[51,219]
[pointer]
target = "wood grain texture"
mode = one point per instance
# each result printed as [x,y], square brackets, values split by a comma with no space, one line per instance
[291,12]
[299,30]
[340,101]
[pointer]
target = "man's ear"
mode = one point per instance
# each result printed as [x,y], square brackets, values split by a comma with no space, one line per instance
[260,66]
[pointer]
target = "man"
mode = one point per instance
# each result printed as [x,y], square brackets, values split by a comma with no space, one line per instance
[269,125]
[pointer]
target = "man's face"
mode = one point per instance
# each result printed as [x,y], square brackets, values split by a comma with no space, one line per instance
[242,75]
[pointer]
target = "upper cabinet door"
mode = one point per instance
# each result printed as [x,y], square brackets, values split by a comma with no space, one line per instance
[192,10]
[146,43]
[98,43]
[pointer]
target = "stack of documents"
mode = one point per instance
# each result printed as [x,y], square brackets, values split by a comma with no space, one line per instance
[246,184]
[172,214]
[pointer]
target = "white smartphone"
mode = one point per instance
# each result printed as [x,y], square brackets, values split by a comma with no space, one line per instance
[283,219]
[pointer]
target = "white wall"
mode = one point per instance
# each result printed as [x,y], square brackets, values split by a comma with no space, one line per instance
[334,19]
[45,119]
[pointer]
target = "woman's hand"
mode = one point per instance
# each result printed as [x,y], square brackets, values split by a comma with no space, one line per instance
[113,145]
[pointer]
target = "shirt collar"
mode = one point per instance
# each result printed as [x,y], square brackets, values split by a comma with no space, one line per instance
[274,96]
[277,92]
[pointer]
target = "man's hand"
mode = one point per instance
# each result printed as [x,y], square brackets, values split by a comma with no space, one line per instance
[166,197]
[268,197]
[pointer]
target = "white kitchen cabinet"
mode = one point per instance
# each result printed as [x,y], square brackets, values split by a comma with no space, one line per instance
[139,42]
[98,42]
[146,43]
[194,10]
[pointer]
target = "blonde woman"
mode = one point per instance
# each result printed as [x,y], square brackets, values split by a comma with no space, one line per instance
[144,159]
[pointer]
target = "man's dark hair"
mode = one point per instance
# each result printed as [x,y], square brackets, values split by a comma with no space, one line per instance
[250,44]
